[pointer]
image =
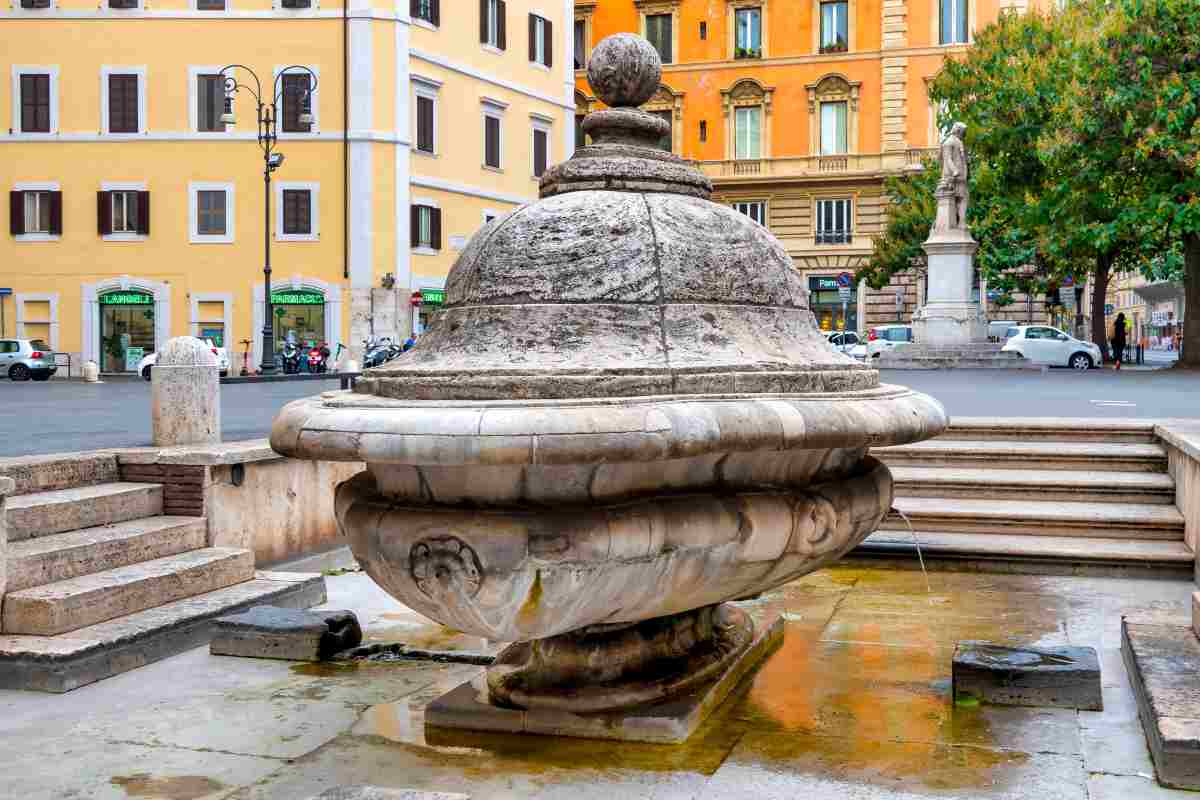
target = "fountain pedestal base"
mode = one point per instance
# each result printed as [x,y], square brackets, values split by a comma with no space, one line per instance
[668,721]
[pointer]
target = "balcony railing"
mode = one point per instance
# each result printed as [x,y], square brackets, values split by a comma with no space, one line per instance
[800,166]
[833,237]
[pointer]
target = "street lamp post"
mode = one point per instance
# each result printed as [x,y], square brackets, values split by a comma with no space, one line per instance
[268,123]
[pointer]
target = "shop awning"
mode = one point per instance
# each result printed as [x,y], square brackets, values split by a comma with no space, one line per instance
[1160,291]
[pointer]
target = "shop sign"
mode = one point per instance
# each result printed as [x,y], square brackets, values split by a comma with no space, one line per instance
[817,284]
[133,356]
[433,297]
[126,299]
[297,298]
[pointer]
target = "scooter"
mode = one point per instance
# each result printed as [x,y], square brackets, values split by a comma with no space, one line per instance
[318,356]
[378,352]
[291,358]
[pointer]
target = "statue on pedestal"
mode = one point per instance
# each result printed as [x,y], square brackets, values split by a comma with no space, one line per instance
[951,192]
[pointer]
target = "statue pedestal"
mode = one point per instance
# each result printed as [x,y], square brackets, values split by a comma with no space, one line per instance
[950,317]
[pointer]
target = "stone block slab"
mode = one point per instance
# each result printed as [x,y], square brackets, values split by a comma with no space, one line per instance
[42,473]
[1163,660]
[671,721]
[286,633]
[1063,677]
[364,792]
[45,513]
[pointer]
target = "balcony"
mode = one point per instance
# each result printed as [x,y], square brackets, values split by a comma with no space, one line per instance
[848,164]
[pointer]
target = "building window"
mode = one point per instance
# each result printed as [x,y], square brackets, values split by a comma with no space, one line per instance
[492,25]
[834,27]
[755,210]
[658,32]
[211,212]
[833,221]
[703,31]
[35,212]
[31,5]
[295,4]
[703,130]
[123,212]
[541,148]
[580,44]
[666,141]
[427,10]
[833,128]
[210,103]
[123,5]
[541,41]
[35,103]
[297,103]
[297,212]
[492,141]
[580,137]
[210,5]
[426,227]
[747,132]
[953,22]
[748,42]
[425,135]
[123,103]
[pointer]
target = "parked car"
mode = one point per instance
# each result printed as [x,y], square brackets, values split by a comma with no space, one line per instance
[886,337]
[1045,345]
[147,362]
[22,359]
[848,342]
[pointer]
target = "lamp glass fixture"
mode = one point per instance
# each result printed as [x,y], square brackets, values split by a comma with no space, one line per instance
[227,113]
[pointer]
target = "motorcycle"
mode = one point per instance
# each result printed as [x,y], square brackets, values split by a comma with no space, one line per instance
[318,357]
[377,352]
[291,358]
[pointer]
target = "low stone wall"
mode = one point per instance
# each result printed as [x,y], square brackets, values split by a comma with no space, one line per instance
[1182,442]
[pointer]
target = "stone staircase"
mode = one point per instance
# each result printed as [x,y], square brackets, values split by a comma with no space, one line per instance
[981,355]
[101,581]
[1036,495]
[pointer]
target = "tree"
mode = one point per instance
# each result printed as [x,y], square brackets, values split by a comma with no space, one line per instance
[1144,73]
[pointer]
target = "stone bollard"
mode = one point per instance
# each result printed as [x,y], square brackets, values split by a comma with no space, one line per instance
[185,391]
[91,372]
[7,485]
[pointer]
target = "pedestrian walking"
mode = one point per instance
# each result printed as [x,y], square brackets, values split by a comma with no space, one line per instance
[1118,339]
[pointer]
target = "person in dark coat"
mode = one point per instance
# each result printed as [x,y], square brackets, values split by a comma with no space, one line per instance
[1118,339]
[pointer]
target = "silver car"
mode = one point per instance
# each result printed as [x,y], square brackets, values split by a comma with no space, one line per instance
[22,359]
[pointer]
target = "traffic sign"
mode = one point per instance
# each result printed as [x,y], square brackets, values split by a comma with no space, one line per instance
[845,280]
[1108,309]
[844,294]
[1069,280]
[4,291]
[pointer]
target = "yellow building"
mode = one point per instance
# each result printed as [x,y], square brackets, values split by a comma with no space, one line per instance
[136,214]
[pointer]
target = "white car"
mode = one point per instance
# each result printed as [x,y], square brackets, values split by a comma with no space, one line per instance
[222,360]
[886,337]
[1042,344]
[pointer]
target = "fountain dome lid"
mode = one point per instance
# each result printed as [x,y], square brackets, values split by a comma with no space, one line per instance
[622,280]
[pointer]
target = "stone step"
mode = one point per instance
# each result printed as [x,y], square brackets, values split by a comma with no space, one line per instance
[44,473]
[1055,429]
[1034,455]
[1032,554]
[89,599]
[1144,488]
[46,513]
[1037,518]
[70,660]
[47,559]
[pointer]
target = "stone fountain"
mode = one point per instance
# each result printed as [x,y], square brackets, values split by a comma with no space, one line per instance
[624,419]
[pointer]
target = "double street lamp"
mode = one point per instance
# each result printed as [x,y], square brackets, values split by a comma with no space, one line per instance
[268,123]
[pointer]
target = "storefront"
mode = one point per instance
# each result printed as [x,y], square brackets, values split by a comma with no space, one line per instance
[826,304]
[126,329]
[299,314]
[432,301]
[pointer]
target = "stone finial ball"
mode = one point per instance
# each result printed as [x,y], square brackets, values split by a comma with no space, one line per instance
[624,70]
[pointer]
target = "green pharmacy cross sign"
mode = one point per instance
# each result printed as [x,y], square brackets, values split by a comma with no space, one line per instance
[126,299]
[303,297]
[433,297]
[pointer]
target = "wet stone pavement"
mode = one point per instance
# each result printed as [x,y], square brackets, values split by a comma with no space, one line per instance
[856,704]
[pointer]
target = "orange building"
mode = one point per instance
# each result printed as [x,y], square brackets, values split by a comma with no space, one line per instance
[798,110]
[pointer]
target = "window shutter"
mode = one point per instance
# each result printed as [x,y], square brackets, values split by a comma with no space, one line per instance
[533,32]
[435,228]
[501,25]
[56,213]
[483,21]
[143,220]
[16,213]
[414,225]
[436,10]
[548,33]
[104,212]
[412,8]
